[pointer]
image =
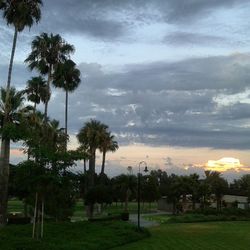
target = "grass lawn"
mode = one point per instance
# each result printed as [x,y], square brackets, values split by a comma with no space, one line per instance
[79,210]
[196,236]
[73,236]
[15,206]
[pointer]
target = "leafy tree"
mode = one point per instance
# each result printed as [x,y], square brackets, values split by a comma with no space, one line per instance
[195,189]
[47,52]
[241,186]
[149,188]
[125,188]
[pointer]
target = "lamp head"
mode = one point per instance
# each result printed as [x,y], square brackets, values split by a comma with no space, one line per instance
[146,169]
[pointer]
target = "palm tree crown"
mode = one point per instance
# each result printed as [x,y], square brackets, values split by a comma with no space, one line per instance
[67,76]
[21,13]
[47,52]
[15,105]
[36,90]
[107,144]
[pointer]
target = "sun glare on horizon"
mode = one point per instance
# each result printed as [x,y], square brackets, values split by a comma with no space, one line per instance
[224,164]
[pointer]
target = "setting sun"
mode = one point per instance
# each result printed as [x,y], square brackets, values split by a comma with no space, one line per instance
[224,164]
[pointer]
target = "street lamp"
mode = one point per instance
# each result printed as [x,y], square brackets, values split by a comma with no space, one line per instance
[139,191]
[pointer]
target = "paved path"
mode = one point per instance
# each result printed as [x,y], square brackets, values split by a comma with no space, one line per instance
[143,222]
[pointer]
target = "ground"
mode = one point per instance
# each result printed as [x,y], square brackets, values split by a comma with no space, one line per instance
[196,236]
[234,235]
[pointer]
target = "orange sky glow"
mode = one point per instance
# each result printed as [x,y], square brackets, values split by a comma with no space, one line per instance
[183,158]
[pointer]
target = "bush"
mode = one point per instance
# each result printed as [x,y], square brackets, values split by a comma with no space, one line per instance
[18,219]
[125,216]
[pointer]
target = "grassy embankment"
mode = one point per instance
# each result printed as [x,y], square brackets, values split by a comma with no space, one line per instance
[196,236]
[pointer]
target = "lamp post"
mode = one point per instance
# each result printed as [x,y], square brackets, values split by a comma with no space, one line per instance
[139,192]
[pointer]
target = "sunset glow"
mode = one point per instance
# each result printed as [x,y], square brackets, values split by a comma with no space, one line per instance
[224,164]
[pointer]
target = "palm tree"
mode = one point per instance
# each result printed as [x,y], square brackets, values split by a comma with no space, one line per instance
[20,14]
[90,136]
[218,186]
[67,77]
[108,144]
[83,152]
[36,90]
[10,116]
[47,52]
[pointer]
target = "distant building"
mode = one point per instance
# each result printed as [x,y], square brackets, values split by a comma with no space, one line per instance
[227,201]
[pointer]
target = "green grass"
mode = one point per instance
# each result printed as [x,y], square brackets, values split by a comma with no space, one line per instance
[190,218]
[79,210]
[15,206]
[196,236]
[132,207]
[73,236]
[114,209]
[158,218]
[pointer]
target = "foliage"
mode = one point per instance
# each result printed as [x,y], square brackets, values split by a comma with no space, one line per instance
[21,13]
[75,236]
[58,191]
[36,90]
[14,113]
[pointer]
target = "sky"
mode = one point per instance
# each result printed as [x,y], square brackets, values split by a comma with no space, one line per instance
[171,78]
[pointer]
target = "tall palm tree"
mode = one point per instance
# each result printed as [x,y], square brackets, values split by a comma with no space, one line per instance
[90,136]
[48,51]
[10,116]
[67,77]
[108,144]
[36,90]
[20,14]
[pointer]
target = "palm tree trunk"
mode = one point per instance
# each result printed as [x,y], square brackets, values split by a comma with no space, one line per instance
[11,62]
[91,177]
[5,147]
[84,166]
[34,111]
[66,117]
[4,178]
[92,168]
[103,161]
[48,91]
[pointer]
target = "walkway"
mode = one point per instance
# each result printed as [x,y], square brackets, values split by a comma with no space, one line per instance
[143,222]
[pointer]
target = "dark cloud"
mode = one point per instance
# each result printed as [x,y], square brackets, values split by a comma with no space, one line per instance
[174,104]
[214,73]
[86,17]
[111,19]
[236,112]
[183,11]
[187,38]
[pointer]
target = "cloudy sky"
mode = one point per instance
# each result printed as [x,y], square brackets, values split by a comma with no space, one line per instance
[170,77]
